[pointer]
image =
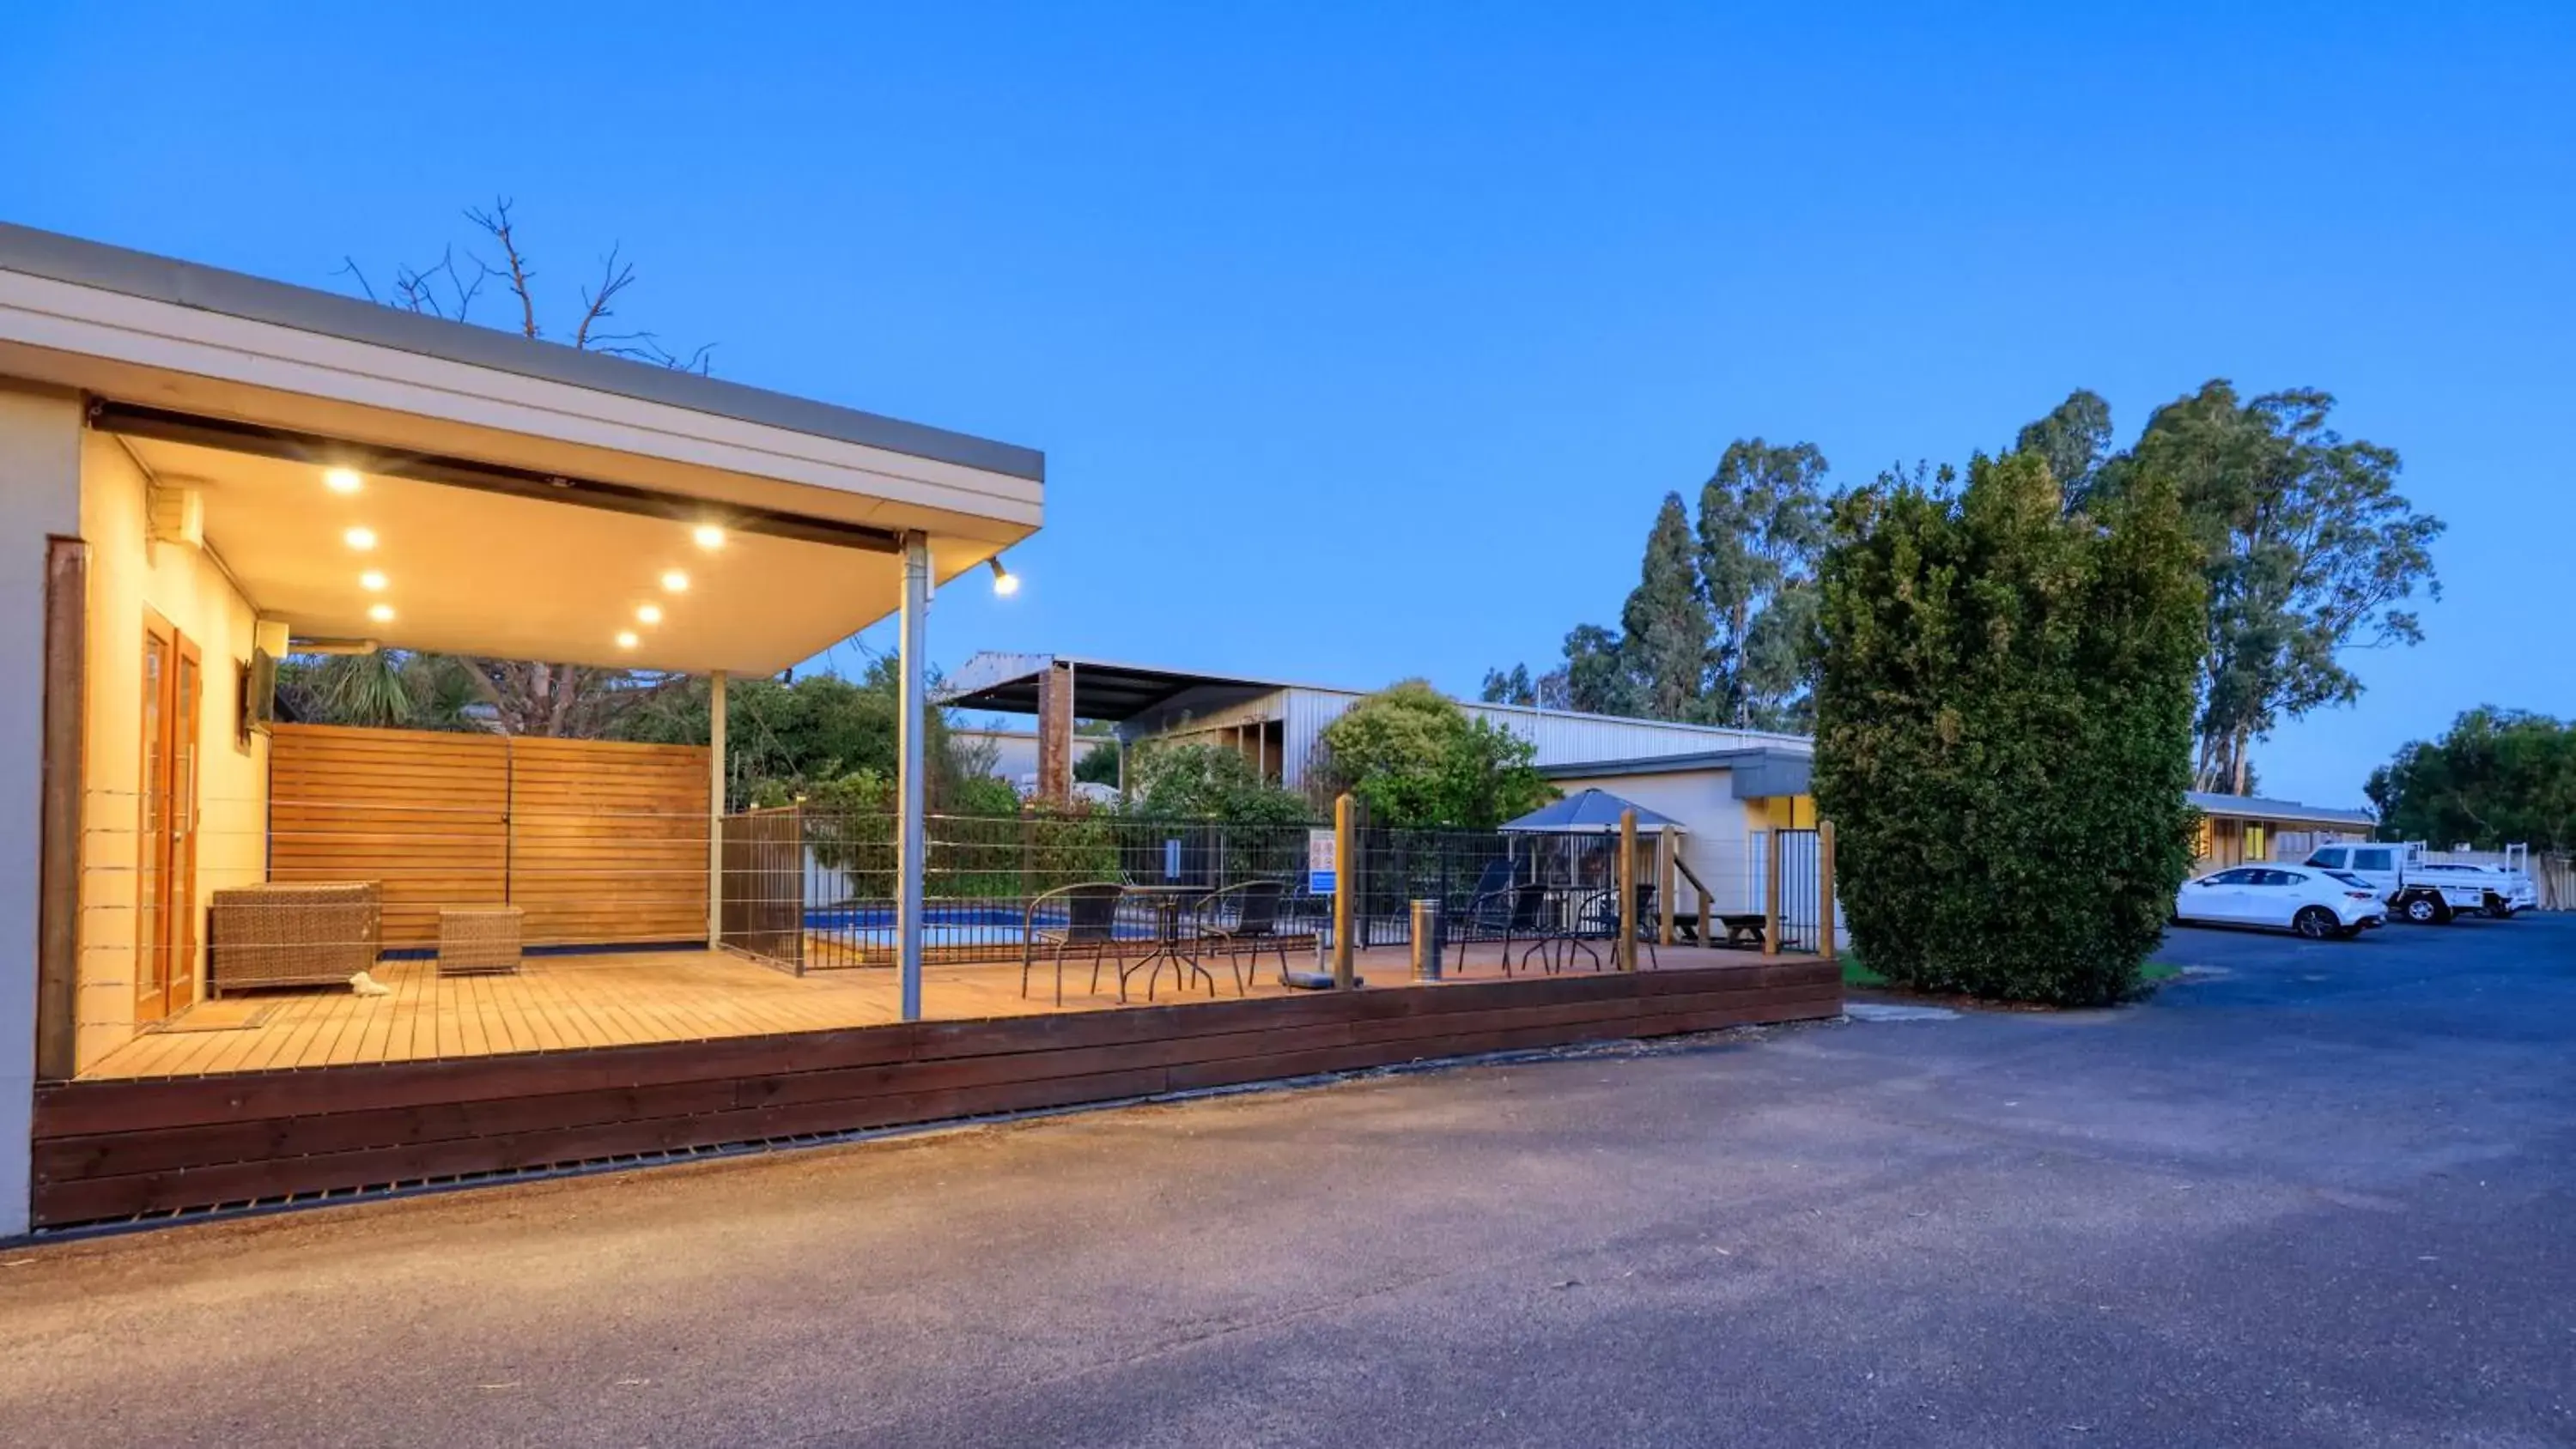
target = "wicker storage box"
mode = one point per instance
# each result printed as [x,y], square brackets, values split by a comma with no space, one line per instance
[311,933]
[478,940]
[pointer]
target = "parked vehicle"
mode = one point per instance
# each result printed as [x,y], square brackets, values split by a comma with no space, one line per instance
[2315,903]
[2501,893]
[2396,873]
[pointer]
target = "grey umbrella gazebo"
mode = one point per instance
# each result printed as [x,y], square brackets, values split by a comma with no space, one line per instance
[1573,843]
[1589,812]
[1582,825]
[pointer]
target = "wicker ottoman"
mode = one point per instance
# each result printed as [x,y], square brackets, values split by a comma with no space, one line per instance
[478,940]
[304,933]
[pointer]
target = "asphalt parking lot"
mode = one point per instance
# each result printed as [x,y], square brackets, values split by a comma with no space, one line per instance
[2315,1194]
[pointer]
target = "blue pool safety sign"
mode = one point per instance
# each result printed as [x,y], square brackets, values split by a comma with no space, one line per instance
[1319,862]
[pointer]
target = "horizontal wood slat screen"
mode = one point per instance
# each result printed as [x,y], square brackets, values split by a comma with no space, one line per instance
[600,842]
[424,814]
[608,841]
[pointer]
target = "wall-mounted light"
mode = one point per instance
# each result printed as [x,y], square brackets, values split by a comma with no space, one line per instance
[360,539]
[648,613]
[373,581]
[342,480]
[709,536]
[382,613]
[626,639]
[675,582]
[1005,582]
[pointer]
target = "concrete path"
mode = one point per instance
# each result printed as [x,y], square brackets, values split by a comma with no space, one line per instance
[2323,1198]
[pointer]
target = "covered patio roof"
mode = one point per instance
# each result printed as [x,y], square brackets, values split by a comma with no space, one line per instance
[468,443]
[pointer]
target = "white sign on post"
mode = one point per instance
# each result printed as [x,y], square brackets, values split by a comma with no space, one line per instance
[1319,862]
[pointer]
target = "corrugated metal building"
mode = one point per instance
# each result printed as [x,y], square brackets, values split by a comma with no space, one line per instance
[1278,724]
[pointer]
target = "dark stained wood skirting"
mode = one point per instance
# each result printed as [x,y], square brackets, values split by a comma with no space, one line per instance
[109,1150]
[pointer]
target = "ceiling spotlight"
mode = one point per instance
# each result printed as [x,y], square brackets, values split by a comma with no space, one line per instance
[675,582]
[373,581]
[382,613]
[360,539]
[709,536]
[626,639]
[1005,582]
[649,613]
[341,480]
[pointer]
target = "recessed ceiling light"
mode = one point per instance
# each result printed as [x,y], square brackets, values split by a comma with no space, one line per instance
[709,536]
[342,480]
[626,639]
[360,539]
[649,613]
[382,613]
[373,581]
[675,582]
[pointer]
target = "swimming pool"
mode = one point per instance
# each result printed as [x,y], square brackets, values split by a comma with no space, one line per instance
[952,924]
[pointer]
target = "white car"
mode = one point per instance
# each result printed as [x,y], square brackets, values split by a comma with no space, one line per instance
[2500,893]
[2314,903]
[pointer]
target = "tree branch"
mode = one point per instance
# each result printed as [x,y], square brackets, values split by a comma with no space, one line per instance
[497,223]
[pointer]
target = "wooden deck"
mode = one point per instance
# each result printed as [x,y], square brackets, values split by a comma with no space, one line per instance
[571,1002]
[690,1053]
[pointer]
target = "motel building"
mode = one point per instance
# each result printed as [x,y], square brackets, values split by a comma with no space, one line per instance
[248,962]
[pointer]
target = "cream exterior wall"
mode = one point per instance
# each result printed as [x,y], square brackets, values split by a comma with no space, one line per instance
[127,574]
[40,437]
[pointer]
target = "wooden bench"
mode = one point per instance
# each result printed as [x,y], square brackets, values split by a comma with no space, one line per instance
[1744,931]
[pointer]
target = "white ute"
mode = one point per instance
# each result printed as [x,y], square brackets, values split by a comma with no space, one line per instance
[2396,872]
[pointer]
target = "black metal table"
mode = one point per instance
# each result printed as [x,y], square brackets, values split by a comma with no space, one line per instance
[1170,903]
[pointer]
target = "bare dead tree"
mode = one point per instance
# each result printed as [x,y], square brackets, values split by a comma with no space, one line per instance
[528,697]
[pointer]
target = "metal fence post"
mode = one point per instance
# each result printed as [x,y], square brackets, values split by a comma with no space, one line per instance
[1628,923]
[1426,940]
[1345,884]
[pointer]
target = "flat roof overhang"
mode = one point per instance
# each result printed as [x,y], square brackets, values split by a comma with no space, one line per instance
[2277,812]
[1102,690]
[230,383]
[1757,773]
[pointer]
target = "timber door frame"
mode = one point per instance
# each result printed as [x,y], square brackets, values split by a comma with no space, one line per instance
[165,842]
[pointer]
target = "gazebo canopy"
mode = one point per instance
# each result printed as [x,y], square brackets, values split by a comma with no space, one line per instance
[1588,812]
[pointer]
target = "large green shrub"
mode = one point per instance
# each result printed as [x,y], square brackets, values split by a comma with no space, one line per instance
[2004,730]
[1205,782]
[1417,759]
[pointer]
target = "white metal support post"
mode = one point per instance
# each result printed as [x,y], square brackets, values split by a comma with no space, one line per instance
[715,808]
[911,838]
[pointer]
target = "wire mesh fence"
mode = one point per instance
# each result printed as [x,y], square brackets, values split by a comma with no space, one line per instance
[817,890]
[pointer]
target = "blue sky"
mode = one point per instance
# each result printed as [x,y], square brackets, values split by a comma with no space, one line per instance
[1364,345]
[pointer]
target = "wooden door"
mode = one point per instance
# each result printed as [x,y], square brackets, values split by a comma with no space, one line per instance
[165,904]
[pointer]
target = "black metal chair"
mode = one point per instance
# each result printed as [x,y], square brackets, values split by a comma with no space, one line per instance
[1512,915]
[1091,920]
[1239,923]
[1597,919]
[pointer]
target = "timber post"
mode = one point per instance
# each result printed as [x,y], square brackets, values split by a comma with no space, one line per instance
[1628,922]
[1666,885]
[1345,882]
[1825,889]
[1771,894]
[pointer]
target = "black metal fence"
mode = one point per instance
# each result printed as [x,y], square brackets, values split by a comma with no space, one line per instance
[1802,903]
[812,889]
